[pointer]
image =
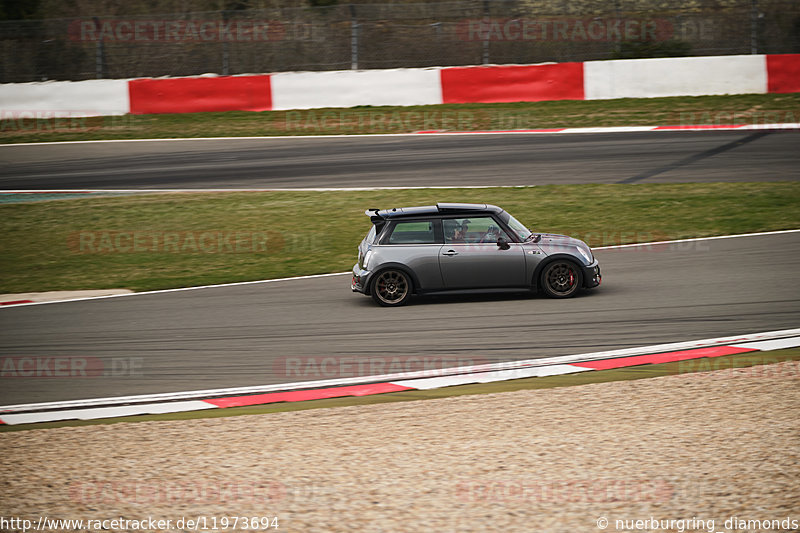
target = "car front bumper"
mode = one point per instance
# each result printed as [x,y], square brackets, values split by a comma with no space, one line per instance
[591,275]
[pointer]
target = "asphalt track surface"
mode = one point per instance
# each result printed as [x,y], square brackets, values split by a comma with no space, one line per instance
[402,161]
[258,334]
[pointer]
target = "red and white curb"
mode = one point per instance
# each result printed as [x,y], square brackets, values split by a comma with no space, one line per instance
[100,408]
[17,302]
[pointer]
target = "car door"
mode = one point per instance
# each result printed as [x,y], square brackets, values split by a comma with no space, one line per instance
[471,258]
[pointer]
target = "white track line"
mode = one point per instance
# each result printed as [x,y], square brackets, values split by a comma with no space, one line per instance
[161,291]
[766,346]
[107,412]
[314,276]
[564,131]
[266,137]
[625,129]
[489,367]
[695,239]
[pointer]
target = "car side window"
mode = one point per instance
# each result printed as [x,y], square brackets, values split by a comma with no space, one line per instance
[370,238]
[474,230]
[416,232]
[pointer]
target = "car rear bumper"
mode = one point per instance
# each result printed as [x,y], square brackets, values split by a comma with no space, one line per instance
[360,280]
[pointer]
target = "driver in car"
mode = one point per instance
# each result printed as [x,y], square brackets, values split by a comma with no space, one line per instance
[491,235]
[460,234]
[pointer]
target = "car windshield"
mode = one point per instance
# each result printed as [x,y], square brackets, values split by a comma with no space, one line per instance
[519,228]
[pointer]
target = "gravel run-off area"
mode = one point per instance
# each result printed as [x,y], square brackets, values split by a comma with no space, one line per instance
[708,446]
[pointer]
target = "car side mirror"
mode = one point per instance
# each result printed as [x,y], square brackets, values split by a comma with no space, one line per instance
[503,244]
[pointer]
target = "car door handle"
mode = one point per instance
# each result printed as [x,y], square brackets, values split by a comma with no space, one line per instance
[450,253]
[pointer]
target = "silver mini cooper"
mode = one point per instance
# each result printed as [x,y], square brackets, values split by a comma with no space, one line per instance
[417,250]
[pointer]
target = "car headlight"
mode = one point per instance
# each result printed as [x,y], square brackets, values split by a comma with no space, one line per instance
[586,255]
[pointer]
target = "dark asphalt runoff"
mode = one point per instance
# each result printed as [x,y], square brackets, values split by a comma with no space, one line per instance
[283,331]
[417,160]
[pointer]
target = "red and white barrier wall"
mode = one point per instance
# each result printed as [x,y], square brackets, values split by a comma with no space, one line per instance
[65,98]
[680,76]
[348,88]
[593,80]
[195,95]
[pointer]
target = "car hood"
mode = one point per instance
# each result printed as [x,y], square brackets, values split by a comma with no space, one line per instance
[551,243]
[554,239]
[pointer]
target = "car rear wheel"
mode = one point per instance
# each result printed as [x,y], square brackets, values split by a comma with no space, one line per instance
[561,279]
[391,288]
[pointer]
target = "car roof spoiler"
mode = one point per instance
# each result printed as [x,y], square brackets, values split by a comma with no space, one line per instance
[446,206]
[377,215]
[373,215]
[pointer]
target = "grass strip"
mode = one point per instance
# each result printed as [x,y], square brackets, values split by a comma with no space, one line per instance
[163,241]
[691,369]
[680,110]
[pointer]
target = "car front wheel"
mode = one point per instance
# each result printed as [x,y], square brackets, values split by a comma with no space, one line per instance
[391,288]
[561,279]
